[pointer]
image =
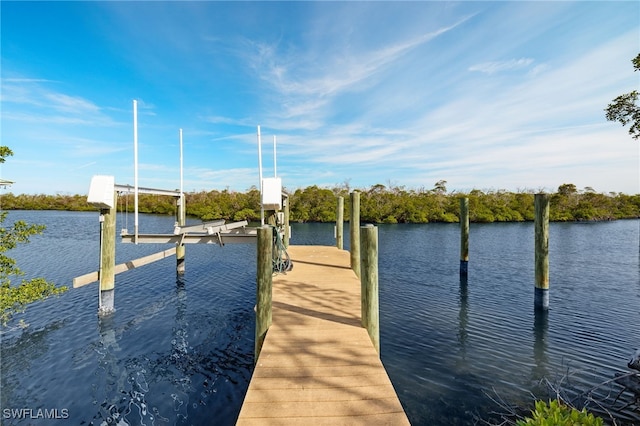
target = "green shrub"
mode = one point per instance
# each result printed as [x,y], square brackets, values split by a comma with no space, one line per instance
[555,413]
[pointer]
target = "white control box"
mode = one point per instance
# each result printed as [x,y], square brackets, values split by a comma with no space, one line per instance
[272,193]
[101,191]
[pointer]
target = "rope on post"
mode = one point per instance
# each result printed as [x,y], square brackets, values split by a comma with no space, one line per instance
[281,259]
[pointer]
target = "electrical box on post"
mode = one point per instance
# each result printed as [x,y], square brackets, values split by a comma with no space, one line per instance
[101,192]
[272,193]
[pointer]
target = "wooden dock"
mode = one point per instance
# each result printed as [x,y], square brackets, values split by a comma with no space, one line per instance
[318,365]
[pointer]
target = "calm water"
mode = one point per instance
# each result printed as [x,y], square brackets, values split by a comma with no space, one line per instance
[180,350]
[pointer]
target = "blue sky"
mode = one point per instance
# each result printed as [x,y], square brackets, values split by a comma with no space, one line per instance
[485,95]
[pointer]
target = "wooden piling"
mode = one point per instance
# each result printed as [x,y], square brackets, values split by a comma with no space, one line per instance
[264,279]
[287,229]
[541,297]
[340,223]
[271,217]
[464,235]
[354,232]
[180,249]
[369,284]
[107,259]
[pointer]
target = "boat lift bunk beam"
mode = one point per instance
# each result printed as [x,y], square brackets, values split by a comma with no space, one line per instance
[232,237]
[130,189]
[206,233]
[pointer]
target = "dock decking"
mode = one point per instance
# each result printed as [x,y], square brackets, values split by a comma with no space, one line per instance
[318,365]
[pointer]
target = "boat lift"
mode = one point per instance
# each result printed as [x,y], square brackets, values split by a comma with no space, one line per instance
[216,232]
[103,193]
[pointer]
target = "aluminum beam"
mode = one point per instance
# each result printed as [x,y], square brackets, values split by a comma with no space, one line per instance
[210,227]
[227,237]
[129,189]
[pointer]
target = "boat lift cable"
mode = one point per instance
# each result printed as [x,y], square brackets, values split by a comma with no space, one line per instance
[123,202]
[126,212]
[281,259]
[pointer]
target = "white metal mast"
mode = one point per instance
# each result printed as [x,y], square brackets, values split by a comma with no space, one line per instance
[260,168]
[182,205]
[135,170]
[181,169]
[275,174]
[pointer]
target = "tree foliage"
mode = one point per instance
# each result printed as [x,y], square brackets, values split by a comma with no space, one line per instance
[555,413]
[378,204]
[625,108]
[15,298]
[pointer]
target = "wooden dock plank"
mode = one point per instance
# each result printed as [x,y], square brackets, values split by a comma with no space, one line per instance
[390,419]
[317,364]
[310,394]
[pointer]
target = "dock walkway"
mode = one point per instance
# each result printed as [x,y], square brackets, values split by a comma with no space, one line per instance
[318,365]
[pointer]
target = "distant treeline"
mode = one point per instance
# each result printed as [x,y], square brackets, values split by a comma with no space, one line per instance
[378,204]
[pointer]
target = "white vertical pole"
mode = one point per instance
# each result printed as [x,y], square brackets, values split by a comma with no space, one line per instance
[135,170]
[181,169]
[260,169]
[275,173]
[182,210]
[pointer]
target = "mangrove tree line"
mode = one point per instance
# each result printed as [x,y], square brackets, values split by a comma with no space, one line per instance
[378,204]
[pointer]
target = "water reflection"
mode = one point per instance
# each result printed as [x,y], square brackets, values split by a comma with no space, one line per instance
[18,357]
[540,357]
[475,341]
[172,383]
[124,387]
[125,383]
[180,353]
[463,320]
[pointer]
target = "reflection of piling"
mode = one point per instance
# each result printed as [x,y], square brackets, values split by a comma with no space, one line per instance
[541,298]
[180,249]
[340,223]
[464,236]
[107,259]
[354,232]
[369,284]
[110,378]
[463,321]
[264,286]
[179,350]
[463,316]
[540,327]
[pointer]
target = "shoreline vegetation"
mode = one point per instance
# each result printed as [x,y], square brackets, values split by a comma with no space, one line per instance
[378,204]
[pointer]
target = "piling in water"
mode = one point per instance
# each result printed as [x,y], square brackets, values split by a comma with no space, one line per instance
[340,223]
[369,284]
[263,286]
[464,236]
[541,296]
[287,229]
[354,232]
[107,259]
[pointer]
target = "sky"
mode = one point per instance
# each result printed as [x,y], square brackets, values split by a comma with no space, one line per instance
[483,95]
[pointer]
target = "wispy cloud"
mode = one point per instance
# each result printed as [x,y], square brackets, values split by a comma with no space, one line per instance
[70,104]
[537,123]
[500,66]
[26,80]
[411,92]
[304,87]
[197,178]
[216,119]
[32,99]
[84,166]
